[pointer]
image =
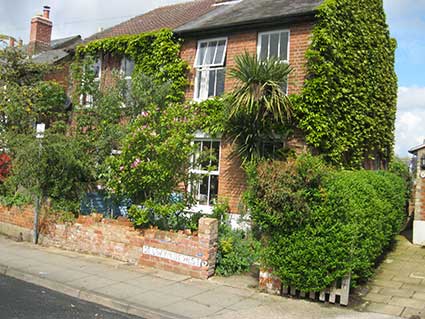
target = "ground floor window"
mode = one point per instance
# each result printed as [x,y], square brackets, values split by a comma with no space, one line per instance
[205,172]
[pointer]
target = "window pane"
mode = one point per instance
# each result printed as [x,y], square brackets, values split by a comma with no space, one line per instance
[284,36]
[219,58]
[264,47]
[212,83]
[198,149]
[209,59]
[128,67]
[96,68]
[201,53]
[206,155]
[213,189]
[203,190]
[221,74]
[215,155]
[198,84]
[274,45]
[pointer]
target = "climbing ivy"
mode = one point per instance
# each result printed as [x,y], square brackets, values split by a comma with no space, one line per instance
[348,105]
[156,54]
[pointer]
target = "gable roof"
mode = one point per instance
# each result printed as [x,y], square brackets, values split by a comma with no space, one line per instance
[249,13]
[170,17]
[415,149]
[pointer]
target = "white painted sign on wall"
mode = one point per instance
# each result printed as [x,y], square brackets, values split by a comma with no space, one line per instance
[180,258]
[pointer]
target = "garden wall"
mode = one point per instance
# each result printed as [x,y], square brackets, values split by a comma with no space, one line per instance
[180,252]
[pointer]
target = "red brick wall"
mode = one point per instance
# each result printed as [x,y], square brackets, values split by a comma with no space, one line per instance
[232,181]
[118,239]
[61,75]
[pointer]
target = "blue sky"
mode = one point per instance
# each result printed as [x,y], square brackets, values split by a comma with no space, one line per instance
[406,19]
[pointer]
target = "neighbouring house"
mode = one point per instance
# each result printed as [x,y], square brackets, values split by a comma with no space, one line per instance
[214,32]
[57,52]
[418,196]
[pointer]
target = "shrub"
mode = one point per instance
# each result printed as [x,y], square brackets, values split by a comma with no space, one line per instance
[320,224]
[237,249]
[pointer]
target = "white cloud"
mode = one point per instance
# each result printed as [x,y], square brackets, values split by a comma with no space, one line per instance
[410,123]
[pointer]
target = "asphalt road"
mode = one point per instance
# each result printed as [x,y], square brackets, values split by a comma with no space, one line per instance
[21,300]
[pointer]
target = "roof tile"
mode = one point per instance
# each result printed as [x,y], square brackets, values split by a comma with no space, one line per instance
[171,17]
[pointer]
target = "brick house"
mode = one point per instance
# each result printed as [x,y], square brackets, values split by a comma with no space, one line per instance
[57,52]
[418,194]
[223,29]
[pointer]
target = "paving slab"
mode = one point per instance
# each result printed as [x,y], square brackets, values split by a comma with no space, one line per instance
[411,313]
[407,302]
[395,310]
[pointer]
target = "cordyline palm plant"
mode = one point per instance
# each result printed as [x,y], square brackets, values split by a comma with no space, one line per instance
[260,88]
[259,109]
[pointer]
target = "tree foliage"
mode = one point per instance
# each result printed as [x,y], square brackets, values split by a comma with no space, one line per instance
[258,111]
[348,104]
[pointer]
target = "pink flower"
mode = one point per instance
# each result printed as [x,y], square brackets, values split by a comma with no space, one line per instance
[136,163]
[121,168]
[144,114]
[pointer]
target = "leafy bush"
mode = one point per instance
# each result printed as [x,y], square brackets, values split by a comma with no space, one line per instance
[165,216]
[347,107]
[237,249]
[320,224]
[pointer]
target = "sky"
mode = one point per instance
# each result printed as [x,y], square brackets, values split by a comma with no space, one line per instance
[406,19]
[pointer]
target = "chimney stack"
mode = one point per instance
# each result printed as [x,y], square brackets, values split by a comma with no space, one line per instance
[41,32]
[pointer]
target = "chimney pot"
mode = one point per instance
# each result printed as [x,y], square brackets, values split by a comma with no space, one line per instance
[11,42]
[46,12]
[20,43]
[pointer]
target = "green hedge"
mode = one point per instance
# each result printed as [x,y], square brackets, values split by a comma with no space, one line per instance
[320,224]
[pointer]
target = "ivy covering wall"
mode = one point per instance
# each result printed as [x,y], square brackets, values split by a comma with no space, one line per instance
[156,55]
[348,105]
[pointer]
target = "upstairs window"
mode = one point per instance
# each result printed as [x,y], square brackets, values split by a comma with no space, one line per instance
[86,99]
[126,69]
[210,68]
[274,44]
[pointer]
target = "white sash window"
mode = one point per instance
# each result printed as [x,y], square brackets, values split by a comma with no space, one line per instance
[205,173]
[210,68]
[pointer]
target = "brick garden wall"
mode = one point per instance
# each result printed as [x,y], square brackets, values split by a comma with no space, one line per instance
[180,252]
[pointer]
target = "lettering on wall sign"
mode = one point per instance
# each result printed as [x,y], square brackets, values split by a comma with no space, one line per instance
[180,258]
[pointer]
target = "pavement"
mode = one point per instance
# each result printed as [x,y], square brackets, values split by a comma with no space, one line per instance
[398,287]
[22,300]
[151,293]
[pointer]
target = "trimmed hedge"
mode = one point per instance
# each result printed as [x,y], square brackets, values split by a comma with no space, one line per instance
[320,224]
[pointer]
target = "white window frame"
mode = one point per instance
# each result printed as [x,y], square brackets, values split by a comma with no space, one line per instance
[259,43]
[126,77]
[206,68]
[200,137]
[89,97]
[200,66]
